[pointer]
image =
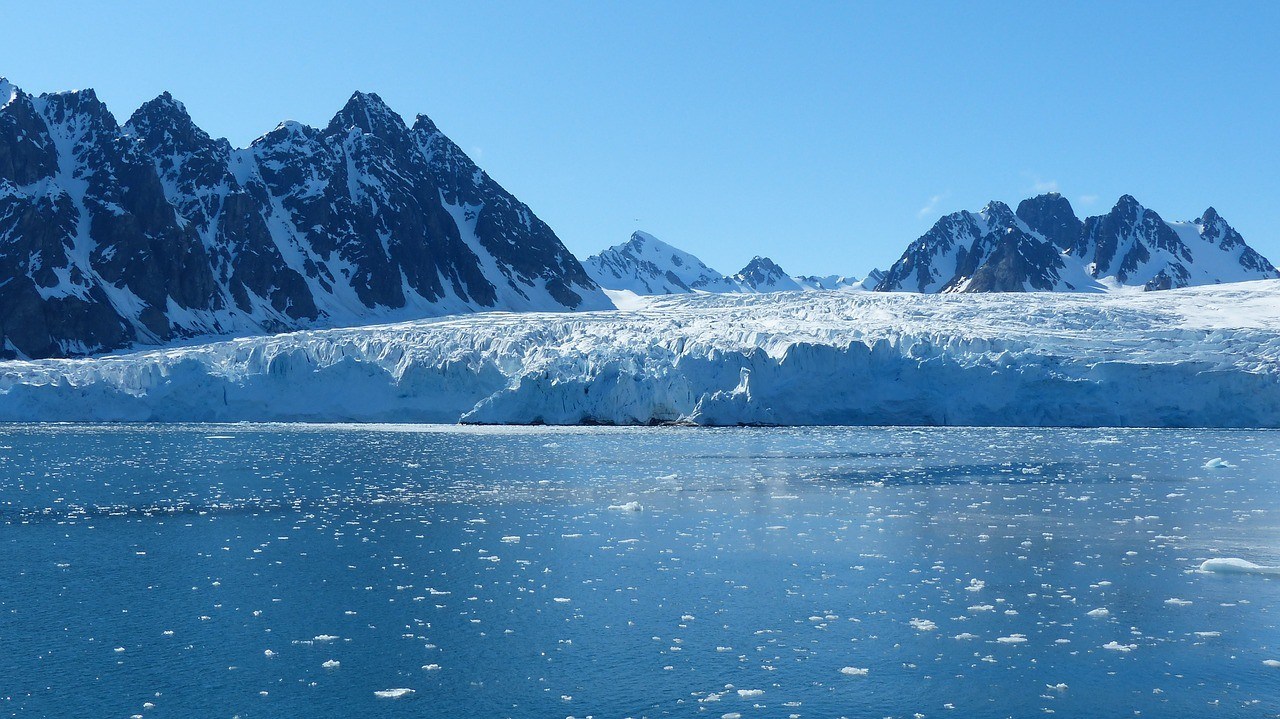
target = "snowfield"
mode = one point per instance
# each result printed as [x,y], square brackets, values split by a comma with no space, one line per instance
[1204,356]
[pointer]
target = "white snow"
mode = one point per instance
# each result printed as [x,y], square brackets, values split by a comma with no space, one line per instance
[1204,356]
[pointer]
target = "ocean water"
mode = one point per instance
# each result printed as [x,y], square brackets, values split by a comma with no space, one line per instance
[397,571]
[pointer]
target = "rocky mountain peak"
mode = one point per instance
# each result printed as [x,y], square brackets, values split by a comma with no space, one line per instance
[368,112]
[80,108]
[424,124]
[1051,215]
[1127,206]
[764,275]
[165,121]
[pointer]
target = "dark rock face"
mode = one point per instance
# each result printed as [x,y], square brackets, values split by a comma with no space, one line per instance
[153,231]
[1052,217]
[1045,247]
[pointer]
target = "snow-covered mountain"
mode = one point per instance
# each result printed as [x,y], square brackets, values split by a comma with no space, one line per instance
[838,282]
[112,235]
[646,265]
[1202,356]
[1044,246]
[764,275]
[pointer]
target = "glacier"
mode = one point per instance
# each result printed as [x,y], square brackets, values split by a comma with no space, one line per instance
[1202,356]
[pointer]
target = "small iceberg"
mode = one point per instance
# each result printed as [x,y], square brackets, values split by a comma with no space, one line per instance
[393,693]
[1235,565]
[1218,463]
[632,506]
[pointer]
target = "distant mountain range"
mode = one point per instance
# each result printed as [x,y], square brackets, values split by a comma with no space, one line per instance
[152,231]
[646,265]
[1044,246]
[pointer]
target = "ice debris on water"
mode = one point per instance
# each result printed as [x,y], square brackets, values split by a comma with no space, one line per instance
[1235,565]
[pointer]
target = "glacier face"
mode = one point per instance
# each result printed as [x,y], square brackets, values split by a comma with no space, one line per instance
[1204,356]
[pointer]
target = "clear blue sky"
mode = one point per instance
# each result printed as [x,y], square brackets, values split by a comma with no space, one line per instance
[824,135]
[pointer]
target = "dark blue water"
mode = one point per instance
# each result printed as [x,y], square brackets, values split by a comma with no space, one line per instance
[213,571]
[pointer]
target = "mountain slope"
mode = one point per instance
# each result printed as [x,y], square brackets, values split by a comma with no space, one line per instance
[1044,246]
[143,233]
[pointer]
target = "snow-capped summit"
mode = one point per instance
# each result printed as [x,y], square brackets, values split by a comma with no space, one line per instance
[646,265]
[112,236]
[1044,246]
[764,275]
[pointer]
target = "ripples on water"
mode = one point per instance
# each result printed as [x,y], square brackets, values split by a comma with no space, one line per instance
[286,571]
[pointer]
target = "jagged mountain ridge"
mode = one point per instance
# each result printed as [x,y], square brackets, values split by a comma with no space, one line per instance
[142,233]
[646,265]
[1044,246]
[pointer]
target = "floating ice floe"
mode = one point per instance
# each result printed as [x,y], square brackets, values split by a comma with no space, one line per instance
[854,671]
[632,506]
[1235,565]
[1218,463]
[1175,602]
[398,693]
[1273,663]
[332,664]
[750,693]
[1099,612]
[923,625]
[1012,639]
[1118,647]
